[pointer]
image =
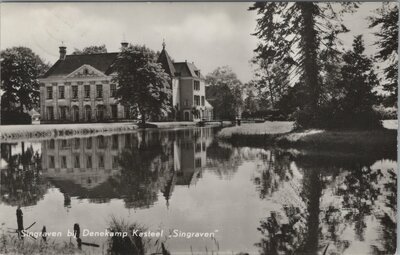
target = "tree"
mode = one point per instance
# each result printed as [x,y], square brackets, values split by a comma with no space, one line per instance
[91,50]
[273,80]
[355,108]
[20,69]
[143,84]
[222,99]
[295,33]
[250,103]
[387,20]
[224,92]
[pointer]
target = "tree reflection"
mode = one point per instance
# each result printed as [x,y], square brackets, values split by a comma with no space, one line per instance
[273,172]
[20,179]
[359,191]
[334,194]
[143,165]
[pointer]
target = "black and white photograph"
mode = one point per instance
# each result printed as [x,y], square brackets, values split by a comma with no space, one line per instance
[199,128]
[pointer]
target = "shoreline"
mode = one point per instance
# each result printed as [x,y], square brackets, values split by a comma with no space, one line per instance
[10,133]
[346,140]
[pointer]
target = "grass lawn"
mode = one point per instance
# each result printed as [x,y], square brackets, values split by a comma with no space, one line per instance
[282,133]
[268,127]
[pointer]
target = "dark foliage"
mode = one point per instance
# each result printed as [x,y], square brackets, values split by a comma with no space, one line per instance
[354,108]
[224,92]
[222,99]
[387,20]
[15,118]
[91,50]
[143,83]
[20,70]
[297,38]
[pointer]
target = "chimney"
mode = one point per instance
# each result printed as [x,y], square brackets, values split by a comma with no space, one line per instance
[63,52]
[124,44]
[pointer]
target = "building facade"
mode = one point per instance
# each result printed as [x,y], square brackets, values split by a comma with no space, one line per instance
[80,88]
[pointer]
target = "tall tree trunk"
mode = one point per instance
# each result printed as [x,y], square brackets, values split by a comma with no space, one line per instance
[309,46]
[143,118]
[271,95]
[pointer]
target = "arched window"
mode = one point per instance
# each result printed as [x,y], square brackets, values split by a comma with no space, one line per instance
[88,113]
[101,111]
[75,113]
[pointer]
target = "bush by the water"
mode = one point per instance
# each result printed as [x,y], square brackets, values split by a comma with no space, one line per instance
[15,118]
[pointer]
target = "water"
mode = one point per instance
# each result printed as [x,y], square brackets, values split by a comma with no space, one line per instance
[255,200]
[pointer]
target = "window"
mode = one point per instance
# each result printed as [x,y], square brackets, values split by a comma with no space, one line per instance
[101,161]
[197,162]
[203,101]
[89,143]
[101,142]
[51,162]
[64,144]
[77,163]
[87,91]
[74,92]
[89,161]
[186,102]
[113,90]
[49,92]
[63,161]
[115,141]
[50,113]
[114,111]
[127,141]
[196,85]
[99,91]
[51,144]
[197,100]
[61,92]
[77,143]
[115,162]
[63,112]
[198,147]
[88,113]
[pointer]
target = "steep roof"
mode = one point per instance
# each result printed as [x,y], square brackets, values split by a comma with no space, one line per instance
[100,61]
[186,69]
[166,62]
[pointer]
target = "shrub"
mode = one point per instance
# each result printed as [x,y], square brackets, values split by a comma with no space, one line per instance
[15,118]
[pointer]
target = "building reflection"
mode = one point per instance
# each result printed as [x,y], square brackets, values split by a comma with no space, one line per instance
[133,166]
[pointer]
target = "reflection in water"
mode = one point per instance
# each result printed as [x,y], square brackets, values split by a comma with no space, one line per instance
[339,198]
[133,166]
[308,202]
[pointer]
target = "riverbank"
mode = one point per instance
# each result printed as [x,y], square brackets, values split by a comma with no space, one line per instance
[282,134]
[25,132]
[10,244]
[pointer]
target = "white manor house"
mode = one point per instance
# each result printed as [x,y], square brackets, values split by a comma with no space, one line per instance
[79,88]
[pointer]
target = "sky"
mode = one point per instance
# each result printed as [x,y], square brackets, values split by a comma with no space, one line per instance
[208,34]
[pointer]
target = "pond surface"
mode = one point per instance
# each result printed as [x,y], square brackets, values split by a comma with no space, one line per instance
[254,200]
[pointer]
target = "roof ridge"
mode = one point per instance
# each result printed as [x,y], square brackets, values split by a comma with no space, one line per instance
[89,54]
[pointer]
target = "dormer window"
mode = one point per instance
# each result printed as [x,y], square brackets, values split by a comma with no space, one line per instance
[196,85]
